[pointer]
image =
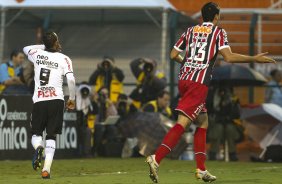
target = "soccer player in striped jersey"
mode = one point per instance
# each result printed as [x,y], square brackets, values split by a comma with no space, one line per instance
[201,44]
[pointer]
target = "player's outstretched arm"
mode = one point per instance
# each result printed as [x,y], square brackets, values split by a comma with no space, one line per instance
[231,57]
[175,55]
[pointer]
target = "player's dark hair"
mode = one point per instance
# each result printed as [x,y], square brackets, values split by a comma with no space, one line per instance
[209,11]
[273,72]
[49,39]
[162,93]
[15,53]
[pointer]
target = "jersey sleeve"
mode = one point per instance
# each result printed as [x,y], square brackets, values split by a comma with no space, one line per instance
[67,67]
[222,40]
[68,73]
[31,51]
[181,43]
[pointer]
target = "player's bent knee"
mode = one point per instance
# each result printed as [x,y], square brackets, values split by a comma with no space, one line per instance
[203,124]
[202,120]
[183,120]
[52,137]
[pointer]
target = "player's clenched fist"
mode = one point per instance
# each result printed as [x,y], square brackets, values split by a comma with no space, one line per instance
[70,105]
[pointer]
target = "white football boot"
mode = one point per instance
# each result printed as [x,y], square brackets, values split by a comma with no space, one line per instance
[153,168]
[204,175]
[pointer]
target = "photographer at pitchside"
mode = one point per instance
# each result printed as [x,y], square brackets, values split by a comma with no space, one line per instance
[109,76]
[149,82]
[106,108]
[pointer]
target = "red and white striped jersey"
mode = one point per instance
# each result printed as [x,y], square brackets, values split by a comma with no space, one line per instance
[202,43]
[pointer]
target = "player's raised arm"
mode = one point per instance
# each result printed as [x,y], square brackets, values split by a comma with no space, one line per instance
[29,51]
[231,57]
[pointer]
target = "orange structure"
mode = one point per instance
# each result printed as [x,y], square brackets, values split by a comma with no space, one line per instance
[193,6]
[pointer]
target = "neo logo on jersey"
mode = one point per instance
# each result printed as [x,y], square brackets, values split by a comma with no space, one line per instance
[202,29]
[43,60]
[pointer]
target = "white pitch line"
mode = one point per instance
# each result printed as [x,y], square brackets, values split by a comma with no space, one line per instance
[109,173]
[267,168]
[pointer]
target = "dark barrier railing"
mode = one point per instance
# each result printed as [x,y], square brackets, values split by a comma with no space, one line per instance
[15,117]
[252,49]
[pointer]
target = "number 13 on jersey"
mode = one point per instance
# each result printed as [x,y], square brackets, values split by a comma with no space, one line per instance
[198,51]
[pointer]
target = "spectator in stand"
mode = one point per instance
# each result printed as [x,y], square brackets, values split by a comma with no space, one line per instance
[86,114]
[160,105]
[124,107]
[149,81]
[10,72]
[109,76]
[226,123]
[106,108]
[28,76]
[274,90]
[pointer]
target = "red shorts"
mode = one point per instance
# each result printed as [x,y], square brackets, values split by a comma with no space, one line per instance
[192,98]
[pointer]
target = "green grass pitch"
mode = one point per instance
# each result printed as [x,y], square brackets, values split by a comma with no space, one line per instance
[135,171]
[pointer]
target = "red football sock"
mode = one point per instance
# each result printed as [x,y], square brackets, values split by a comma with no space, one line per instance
[169,142]
[200,147]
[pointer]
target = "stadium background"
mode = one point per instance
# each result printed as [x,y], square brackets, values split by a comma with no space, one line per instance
[87,34]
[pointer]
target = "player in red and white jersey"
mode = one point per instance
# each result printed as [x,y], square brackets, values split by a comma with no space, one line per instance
[50,66]
[201,44]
